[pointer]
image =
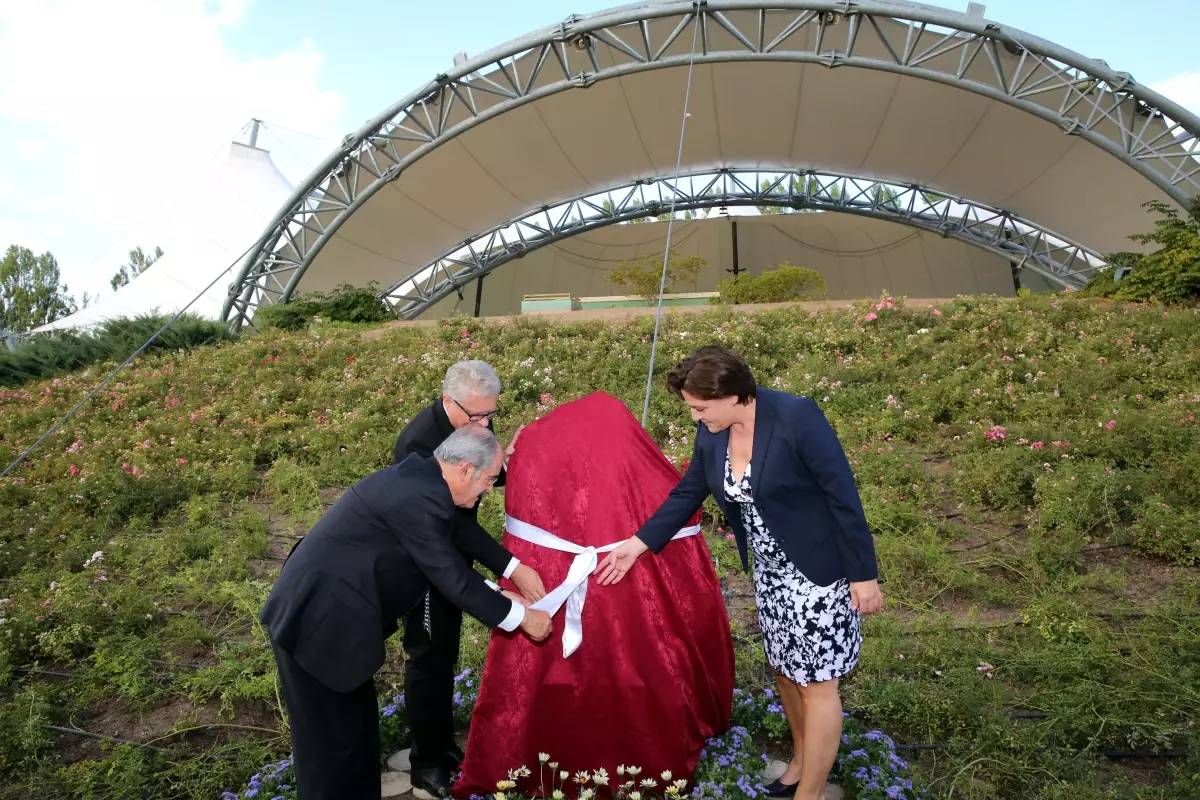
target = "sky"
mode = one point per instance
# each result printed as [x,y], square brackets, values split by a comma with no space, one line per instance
[108,109]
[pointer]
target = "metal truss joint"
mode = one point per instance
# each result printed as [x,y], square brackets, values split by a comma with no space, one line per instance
[1124,82]
[833,58]
[392,172]
[566,28]
[584,80]
[1071,126]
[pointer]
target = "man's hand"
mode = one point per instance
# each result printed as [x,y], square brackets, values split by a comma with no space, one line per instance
[619,561]
[516,598]
[536,624]
[512,445]
[528,582]
[865,597]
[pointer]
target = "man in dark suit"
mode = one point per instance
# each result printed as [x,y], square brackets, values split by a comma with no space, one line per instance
[343,588]
[470,394]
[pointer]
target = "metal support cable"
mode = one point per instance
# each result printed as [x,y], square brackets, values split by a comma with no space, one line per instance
[697,21]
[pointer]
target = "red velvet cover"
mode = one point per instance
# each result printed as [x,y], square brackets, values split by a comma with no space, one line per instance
[653,678]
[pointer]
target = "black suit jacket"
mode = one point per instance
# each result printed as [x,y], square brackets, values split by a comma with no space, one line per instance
[803,490]
[365,564]
[428,429]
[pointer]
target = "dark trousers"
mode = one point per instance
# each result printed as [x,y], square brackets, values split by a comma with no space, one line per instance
[429,670]
[335,736]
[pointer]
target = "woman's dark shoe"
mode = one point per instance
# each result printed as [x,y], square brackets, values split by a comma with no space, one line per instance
[780,790]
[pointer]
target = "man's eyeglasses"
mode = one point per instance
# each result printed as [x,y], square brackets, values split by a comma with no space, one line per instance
[474,416]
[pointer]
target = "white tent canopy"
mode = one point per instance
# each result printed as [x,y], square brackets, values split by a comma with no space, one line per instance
[232,203]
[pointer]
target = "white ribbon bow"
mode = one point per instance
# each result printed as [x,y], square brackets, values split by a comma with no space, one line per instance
[573,590]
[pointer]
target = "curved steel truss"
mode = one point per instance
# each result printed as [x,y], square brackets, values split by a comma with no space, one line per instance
[1149,133]
[1024,243]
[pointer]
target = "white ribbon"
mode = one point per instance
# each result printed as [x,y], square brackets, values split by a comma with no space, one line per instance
[573,590]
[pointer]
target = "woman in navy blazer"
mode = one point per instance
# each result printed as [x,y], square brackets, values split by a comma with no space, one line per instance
[779,474]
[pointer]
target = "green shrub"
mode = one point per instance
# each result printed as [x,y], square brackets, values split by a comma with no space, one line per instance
[294,316]
[1170,274]
[780,285]
[46,355]
[1167,531]
[346,303]
[643,275]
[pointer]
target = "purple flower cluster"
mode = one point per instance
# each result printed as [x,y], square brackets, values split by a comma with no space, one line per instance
[466,692]
[729,766]
[871,768]
[272,782]
[760,712]
[867,760]
[394,731]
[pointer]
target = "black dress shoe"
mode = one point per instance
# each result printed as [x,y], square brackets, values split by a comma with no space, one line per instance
[431,783]
[780,790]
[455,757]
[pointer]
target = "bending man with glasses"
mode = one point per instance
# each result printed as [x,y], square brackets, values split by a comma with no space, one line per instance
[470,396]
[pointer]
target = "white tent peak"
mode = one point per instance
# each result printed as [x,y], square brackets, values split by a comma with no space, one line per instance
[227,209]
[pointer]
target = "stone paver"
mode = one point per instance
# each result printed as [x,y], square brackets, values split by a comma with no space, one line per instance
[398,761]
[394,784]
[834,792]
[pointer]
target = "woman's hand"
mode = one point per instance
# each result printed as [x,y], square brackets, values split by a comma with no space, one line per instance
[865,597]
[619,561]
[512,445]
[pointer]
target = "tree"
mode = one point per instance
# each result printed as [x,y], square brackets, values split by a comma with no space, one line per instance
[643,275]
[825,191]
[785,283]
[886,196]
[769,210]
[139,262]
[1170,274]
[30,290]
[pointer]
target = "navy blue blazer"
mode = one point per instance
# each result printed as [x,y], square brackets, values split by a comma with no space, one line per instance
[367,562]
[803,490]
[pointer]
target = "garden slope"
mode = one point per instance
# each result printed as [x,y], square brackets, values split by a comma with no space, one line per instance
[1029,468]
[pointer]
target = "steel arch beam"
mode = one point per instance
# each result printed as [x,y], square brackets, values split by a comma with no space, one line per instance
[1020,241]
[1150,134]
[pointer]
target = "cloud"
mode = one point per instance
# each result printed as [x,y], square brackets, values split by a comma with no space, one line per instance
[120,103]
[1184,89]
[31,148]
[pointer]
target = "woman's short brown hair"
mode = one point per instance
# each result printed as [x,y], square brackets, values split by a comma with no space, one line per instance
[713,372]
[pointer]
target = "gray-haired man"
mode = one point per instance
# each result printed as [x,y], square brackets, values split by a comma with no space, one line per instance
[470,397]
[343,588]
